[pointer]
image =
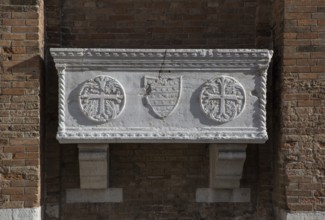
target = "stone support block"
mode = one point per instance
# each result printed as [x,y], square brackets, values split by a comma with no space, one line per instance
[94,176]
[226,167]
[93,166]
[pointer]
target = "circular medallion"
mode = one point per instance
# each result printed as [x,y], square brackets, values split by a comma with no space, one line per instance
[222,99]
[102,98]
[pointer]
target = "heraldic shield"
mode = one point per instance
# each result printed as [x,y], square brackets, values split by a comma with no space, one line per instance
[162,94]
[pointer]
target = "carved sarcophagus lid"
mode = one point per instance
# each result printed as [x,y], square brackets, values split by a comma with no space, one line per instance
[157,95]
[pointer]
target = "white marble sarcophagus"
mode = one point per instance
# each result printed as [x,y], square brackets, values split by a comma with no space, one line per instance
[164,95]
[129,95]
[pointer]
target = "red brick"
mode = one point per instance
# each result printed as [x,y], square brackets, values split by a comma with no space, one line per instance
[13,191]
[300,207]
[297,16]
[32,22]
[24,183]
[31,190]
[307,35]
[14,149]
[318,2]
[26,197]
[26,156]
[18,50]
[318,69]
[13,91]
[32,162]
[296,97]
[25,15]
[290,3]
[308,76]
[25,43]
[5,43]
[307,22]
[13,36]
[14,163]
[290,35]
[305,103]
[32,36]
[13,22]
[24,29]
[24,141]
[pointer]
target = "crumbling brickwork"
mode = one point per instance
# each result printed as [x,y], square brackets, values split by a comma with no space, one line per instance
[300,160]
[20,71]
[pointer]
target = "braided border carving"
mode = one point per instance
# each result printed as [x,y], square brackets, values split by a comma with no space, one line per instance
[65,53]
[262,98]
[144,136]
[61,93]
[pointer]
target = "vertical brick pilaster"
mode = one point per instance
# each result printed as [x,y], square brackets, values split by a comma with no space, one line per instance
[21,43]
[300,175]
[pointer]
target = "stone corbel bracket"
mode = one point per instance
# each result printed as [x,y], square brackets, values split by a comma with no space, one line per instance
[226,167]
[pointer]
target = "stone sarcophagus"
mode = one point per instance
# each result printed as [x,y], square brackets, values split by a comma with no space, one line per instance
[156,95]
[120,95]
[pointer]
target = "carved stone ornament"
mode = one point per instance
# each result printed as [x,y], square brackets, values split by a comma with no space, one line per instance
[162,94]
[102,98]
[222,99]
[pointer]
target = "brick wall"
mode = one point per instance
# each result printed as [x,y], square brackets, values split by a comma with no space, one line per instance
[301,152]
[21,49]
[156,23]
[158,180]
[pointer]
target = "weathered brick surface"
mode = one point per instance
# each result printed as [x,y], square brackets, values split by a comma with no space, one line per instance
[300,168]
[20,71]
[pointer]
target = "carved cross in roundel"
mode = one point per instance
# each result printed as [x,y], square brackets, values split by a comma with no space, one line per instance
[102,98]
[222,99]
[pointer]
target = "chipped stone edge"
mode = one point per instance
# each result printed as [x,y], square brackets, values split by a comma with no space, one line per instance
[21,214]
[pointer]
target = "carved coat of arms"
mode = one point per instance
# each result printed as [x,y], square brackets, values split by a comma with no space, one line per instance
[222,99]
[102,98]
[162,94]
